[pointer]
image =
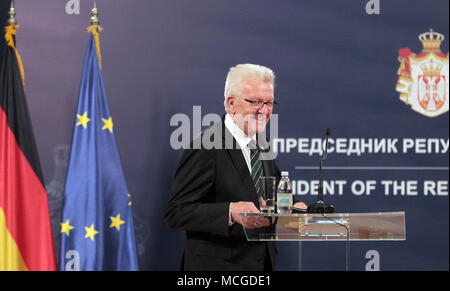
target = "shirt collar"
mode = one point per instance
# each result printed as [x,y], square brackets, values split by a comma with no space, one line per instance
[242,139]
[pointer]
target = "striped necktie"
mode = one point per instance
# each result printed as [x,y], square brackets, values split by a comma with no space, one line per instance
[256,165]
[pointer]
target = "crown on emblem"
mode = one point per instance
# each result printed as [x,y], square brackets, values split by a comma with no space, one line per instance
[431,40]
[431,69]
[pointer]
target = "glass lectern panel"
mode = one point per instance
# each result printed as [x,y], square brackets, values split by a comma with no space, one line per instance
[329,227]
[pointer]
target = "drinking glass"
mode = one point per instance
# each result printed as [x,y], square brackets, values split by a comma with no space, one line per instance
[267,195]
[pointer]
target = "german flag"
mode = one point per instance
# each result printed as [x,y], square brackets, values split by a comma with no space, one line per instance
[25,230]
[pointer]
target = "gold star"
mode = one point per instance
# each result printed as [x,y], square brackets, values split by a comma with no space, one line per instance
[90,232]
[129,196]
[66,227]
[116,222]
[108,124]
[83,120]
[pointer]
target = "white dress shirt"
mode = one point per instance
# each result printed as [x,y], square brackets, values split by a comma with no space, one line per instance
[243,140]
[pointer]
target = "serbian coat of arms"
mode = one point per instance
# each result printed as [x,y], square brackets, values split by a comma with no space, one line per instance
[423,78]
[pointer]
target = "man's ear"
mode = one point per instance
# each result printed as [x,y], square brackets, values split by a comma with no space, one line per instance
[230,104]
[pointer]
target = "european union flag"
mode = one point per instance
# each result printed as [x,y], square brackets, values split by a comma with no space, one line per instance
[97,228]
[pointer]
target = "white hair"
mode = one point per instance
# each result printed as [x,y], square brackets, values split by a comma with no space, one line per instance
[242,72]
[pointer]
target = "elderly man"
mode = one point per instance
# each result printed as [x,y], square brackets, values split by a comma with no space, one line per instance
[213,185]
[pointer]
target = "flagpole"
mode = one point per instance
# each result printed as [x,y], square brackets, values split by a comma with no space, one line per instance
[10,37]
[95,28]
[12,14]
[94,15]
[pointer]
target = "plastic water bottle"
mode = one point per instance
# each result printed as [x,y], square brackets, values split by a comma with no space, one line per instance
[284,194]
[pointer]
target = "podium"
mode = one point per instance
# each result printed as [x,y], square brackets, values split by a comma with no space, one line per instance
[377,226]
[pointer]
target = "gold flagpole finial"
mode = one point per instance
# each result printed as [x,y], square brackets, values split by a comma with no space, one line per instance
[12,14]
[94,15]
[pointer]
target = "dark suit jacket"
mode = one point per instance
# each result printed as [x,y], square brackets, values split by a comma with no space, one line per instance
[205,183]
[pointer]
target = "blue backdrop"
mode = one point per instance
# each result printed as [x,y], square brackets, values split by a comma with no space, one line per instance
[336,66]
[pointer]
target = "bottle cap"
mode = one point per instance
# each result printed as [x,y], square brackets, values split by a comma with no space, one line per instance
[285,173]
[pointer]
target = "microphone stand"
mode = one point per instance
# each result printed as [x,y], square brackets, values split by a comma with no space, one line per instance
[320,206]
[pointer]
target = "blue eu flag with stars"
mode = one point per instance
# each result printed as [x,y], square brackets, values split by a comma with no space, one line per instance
[97,231]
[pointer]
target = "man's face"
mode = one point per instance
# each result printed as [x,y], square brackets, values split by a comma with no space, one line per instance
[252,118]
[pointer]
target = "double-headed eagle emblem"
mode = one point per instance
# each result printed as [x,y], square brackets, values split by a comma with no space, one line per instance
[423,78]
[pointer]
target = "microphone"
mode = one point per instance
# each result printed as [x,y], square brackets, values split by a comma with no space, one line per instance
[320,206]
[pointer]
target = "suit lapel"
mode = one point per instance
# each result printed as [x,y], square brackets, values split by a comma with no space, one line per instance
[239,163]
[242,170]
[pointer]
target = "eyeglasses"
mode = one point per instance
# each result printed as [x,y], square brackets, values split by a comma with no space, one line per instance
[259,104]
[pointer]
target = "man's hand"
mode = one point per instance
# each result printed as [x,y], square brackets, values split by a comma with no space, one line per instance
[300,205]
[248,222]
